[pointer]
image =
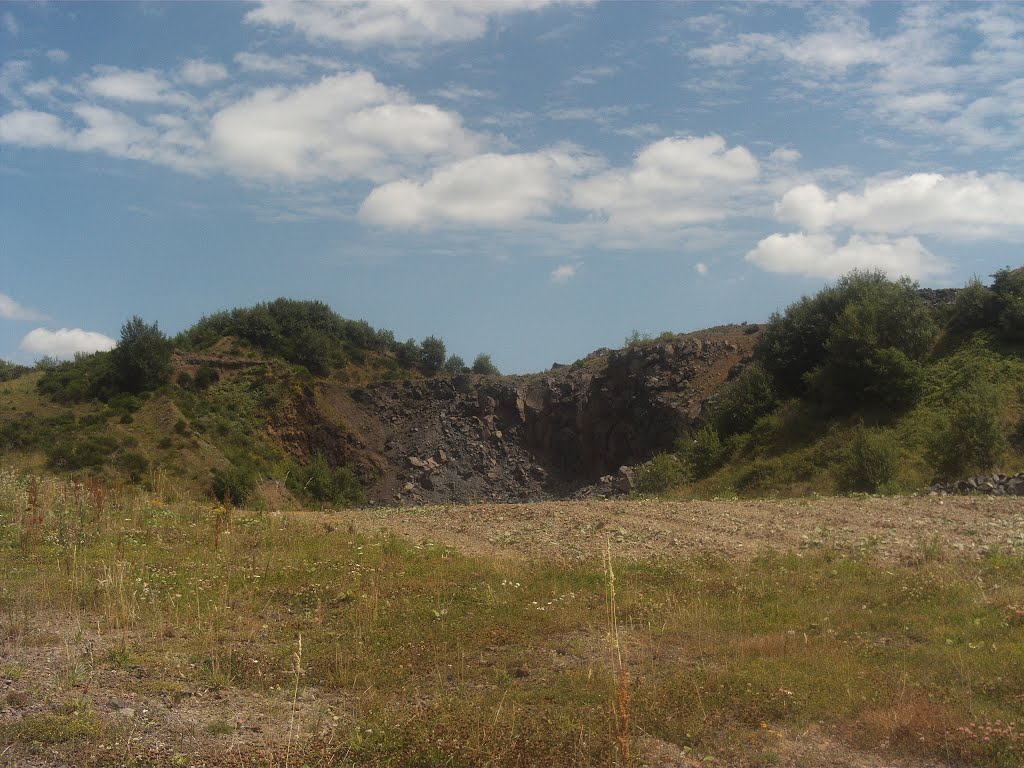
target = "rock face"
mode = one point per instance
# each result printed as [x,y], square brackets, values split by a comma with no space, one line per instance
[473,438]
[993,485]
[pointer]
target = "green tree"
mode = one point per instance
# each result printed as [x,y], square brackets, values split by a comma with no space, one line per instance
[432,354]
[1008,287]
[483,365]
[407,353]
[455,365]
[857,341]
[142,359]
[974,307]
[739,404]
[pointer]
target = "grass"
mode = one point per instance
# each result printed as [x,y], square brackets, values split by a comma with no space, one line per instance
[418,655]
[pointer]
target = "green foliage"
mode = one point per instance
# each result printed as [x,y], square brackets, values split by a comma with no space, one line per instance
[87,377]
[872,460]
[705,453]
[858,341]
[739,404]
[432,354]
[455,365]
[661,473]
[134,465]
[234,485]
[968,436]
[205,377]
[483,365]
[408,353]
[142,359]
[10,371]
[974,307]
[321,482]
[1008,287]
[72,454]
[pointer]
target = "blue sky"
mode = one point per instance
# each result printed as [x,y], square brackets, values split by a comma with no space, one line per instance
[530,179]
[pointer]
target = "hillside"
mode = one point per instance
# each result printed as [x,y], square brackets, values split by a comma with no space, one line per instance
[289,404]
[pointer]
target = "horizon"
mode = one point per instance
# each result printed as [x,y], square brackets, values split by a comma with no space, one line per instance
[529,180]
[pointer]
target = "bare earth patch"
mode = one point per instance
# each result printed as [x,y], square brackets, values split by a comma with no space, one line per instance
[892,529]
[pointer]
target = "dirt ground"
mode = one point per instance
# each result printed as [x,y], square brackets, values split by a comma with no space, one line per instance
[173,730]
[891,529]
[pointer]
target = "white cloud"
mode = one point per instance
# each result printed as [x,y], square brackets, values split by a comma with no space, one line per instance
[200,72]
[944,71]
[58,55]
[564,273]
[290,65]
[144,86]
[64,342]
[12,310]
[672,182]
[400,23]
[818,255]
[484,190]
[347,125]
[701,268]
[784,155]
[33,129]
[960,205]
[10,23]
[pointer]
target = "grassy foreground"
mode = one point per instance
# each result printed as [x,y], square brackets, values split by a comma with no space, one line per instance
[135,632]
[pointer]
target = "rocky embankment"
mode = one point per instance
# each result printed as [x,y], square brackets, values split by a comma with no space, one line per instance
[475,438]
[992,485]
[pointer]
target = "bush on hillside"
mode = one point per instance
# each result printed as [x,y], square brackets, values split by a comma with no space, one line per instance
[407,353]
[142,359]
[9,371]
[432,354]
[705,454]
[87,377]
[858,341]
[483,365]
[664,471]
[321,482]
[234,485]
[872,460]
[455,365]
[974,307]
[739,404]
[1008,287]
[969,436]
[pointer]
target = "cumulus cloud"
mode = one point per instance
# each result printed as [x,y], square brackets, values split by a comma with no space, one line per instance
[671,182]
[347,125]
[360,24]
[784,155]
[291,65]
[146,86]
[818,255]
[12,310]
[200,72]
[58,55]
[967,204]
[564,273]
[33,129]
[489,189]
[64,342]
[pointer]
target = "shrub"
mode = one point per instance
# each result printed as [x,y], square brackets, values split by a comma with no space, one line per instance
[872,460]
[321,482]
[483,365]
[706,453]
[854,342]
[407,353]
[455,365]
[134,465]
[87,377]
[205,377]
[72,455]
[432,354]
[664,471]
[969,437]
[974,307]
[142,359]
[9,371]
[739,404]
[233,485]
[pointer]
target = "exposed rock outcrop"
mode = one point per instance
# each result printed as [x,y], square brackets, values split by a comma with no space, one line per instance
[470,438]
